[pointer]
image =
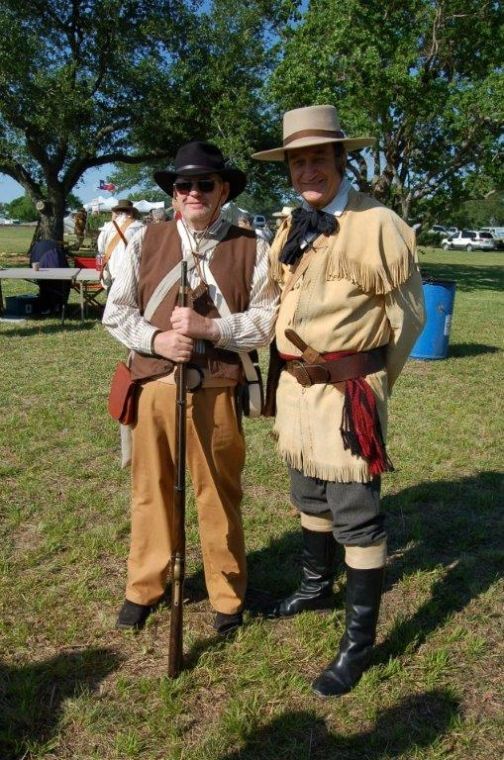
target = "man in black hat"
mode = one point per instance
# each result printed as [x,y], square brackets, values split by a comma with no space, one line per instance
[232,312]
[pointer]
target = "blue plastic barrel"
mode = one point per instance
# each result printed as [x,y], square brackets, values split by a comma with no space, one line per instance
[432,343]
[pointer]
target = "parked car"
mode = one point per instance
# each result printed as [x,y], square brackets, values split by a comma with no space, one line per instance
[437,229]
[259,221]
[468,240]
[452,230]
[498,243]
[497,232]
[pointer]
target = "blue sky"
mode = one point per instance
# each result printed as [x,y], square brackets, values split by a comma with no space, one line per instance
[85,190]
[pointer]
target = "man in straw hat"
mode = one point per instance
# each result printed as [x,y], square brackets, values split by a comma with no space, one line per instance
[114,238]
[351,308]
[232,310]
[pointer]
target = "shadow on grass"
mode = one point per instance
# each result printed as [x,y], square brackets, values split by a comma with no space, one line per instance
[413,725]
[201,646]
[271,570]
[463,350]
[468,278]
[38,327]
[31,696]
[455,526]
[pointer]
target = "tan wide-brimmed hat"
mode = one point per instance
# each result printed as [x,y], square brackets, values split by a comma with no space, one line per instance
[124,205]
[284,213]
[313,125]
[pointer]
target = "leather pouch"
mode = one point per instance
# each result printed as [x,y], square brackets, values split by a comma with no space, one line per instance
[122,395]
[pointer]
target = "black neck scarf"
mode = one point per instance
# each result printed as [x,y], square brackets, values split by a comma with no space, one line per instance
[304,222]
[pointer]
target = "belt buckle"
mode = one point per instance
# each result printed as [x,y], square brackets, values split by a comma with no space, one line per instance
[301,374]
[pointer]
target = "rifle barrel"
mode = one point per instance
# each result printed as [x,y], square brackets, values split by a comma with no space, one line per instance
[175,659]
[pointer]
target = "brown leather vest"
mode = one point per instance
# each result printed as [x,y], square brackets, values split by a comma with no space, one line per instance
[232,264]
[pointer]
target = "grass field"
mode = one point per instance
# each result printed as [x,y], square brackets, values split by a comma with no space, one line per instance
[14,242]
[74,688]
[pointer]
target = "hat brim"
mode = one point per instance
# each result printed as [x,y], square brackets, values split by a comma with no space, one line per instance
[279,154]
[236,178]
[125,209]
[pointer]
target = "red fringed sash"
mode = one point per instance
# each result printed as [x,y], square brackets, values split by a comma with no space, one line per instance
[360,424]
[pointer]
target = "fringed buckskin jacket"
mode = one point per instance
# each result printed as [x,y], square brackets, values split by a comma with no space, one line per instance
[361,290]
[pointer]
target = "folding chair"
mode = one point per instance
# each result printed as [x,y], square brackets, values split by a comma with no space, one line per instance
[90,290]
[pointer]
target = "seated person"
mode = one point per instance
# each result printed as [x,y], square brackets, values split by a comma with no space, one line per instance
[53,294]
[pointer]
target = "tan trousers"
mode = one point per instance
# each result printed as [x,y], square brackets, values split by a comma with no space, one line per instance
[215,459]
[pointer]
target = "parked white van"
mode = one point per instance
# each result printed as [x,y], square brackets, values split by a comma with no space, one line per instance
[497,232]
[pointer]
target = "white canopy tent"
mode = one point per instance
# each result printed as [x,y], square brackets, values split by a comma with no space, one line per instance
[100,204]
[145,206]
[107,204]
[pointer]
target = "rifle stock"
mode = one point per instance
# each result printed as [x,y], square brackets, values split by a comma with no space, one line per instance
[175,658]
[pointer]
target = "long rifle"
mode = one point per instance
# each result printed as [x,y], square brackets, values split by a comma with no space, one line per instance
[178,556]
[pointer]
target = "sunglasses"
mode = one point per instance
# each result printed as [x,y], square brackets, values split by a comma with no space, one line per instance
[201,185]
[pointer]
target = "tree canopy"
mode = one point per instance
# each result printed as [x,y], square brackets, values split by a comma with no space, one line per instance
[71,76]
[423,76]
[23,208]
[116,81]
[85,83]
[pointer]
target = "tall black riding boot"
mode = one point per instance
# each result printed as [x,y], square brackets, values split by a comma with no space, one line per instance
[316,589]
[363,595]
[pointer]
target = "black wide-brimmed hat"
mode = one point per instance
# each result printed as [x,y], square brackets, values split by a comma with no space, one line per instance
[196,158]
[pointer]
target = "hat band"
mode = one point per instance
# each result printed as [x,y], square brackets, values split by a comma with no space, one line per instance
[192,167]
[313,133]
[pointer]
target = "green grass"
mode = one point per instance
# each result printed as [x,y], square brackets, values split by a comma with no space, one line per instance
[14,240]
[72,687]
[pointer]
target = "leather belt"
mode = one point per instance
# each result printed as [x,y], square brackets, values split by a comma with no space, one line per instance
[337,370]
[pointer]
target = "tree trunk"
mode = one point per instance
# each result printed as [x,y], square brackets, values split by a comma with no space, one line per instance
[51,215]
[405,206]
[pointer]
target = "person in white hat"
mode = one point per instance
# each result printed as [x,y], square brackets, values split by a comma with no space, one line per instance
[351,310]
[114,237]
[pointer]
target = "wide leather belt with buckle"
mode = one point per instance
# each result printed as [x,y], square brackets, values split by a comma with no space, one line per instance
[337,370]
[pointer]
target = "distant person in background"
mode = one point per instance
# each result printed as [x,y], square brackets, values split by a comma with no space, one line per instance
[264,233]
[80,220]
[176,214]
[114,238]
[53,294]
[245,222]
[158,215]
[281,215]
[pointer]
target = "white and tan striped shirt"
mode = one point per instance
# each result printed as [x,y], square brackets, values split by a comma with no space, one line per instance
[238,332]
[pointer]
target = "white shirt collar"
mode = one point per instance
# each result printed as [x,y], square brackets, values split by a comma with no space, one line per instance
[339,202]
[192,242]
